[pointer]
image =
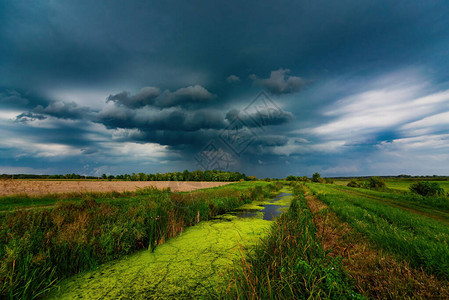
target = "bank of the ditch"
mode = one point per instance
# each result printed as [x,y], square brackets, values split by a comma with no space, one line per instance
[39,247]
[189,266]
[290,263]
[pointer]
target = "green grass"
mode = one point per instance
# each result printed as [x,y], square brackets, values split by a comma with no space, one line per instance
[403,185]
[289,263]
[10,203]
[39,247]
[420,240]
[434,207]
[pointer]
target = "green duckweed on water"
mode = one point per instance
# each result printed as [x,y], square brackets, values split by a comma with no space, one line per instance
[190,265]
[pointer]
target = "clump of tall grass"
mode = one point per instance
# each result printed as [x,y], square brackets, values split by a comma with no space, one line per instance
[289,263]
[39,247]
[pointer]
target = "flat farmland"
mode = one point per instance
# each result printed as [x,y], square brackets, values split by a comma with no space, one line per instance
[402,184]
[45,187]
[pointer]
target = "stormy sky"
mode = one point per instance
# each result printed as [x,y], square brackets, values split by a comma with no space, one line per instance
[266,88]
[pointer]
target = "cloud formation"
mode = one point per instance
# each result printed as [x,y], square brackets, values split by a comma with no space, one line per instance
[64,110]
[146,96]
[152,96]
[197,64]
[260,118]
[233,79]
[279,82]
[29,117]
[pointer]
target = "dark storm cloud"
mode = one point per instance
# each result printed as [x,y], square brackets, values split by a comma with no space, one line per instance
[152,96]
[168,42]
[171,120]
[279,82]
[29,116]
[11,99]
[260,118]
[270,141]
[175,50]
[64,110]
[185,97]
[188,141]
[75,134]
[146,96]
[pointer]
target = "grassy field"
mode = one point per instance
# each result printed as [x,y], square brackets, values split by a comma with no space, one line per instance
[360,243]
[414,232]
[42,200]
[39,247]
[400,184]
[403,185]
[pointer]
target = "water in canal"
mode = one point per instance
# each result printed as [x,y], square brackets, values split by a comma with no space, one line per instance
[188,266]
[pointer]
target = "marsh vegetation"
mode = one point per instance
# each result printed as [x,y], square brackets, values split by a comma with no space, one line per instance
[326,241]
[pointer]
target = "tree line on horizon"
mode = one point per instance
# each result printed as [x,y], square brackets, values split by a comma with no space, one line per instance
[186,175]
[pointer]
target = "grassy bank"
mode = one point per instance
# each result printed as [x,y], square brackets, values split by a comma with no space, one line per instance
[404,197]
[417,239]
[289,263]
[42,246]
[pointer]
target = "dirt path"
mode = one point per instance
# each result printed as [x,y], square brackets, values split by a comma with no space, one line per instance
[43,187]
[375,273]
[189,266]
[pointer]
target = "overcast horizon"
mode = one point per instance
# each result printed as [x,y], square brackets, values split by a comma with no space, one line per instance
[270,89]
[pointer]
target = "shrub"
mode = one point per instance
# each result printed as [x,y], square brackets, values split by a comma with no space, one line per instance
[353,183]
[329,180]
[426,188]
[376,183]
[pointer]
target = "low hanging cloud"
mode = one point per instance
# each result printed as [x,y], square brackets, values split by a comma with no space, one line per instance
[152,96]
[260,118]
[145,96]
[183,120]
[12,98]
[279,82]
[64,110]
[147,119]
[29,117]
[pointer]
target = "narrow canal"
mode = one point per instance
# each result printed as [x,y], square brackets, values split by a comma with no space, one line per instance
[188,266]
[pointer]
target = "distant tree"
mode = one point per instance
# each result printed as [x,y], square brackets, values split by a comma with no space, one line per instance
[291,178]
[329,180]
[316,177]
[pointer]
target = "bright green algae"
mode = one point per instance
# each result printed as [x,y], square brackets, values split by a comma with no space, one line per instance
[190,265]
